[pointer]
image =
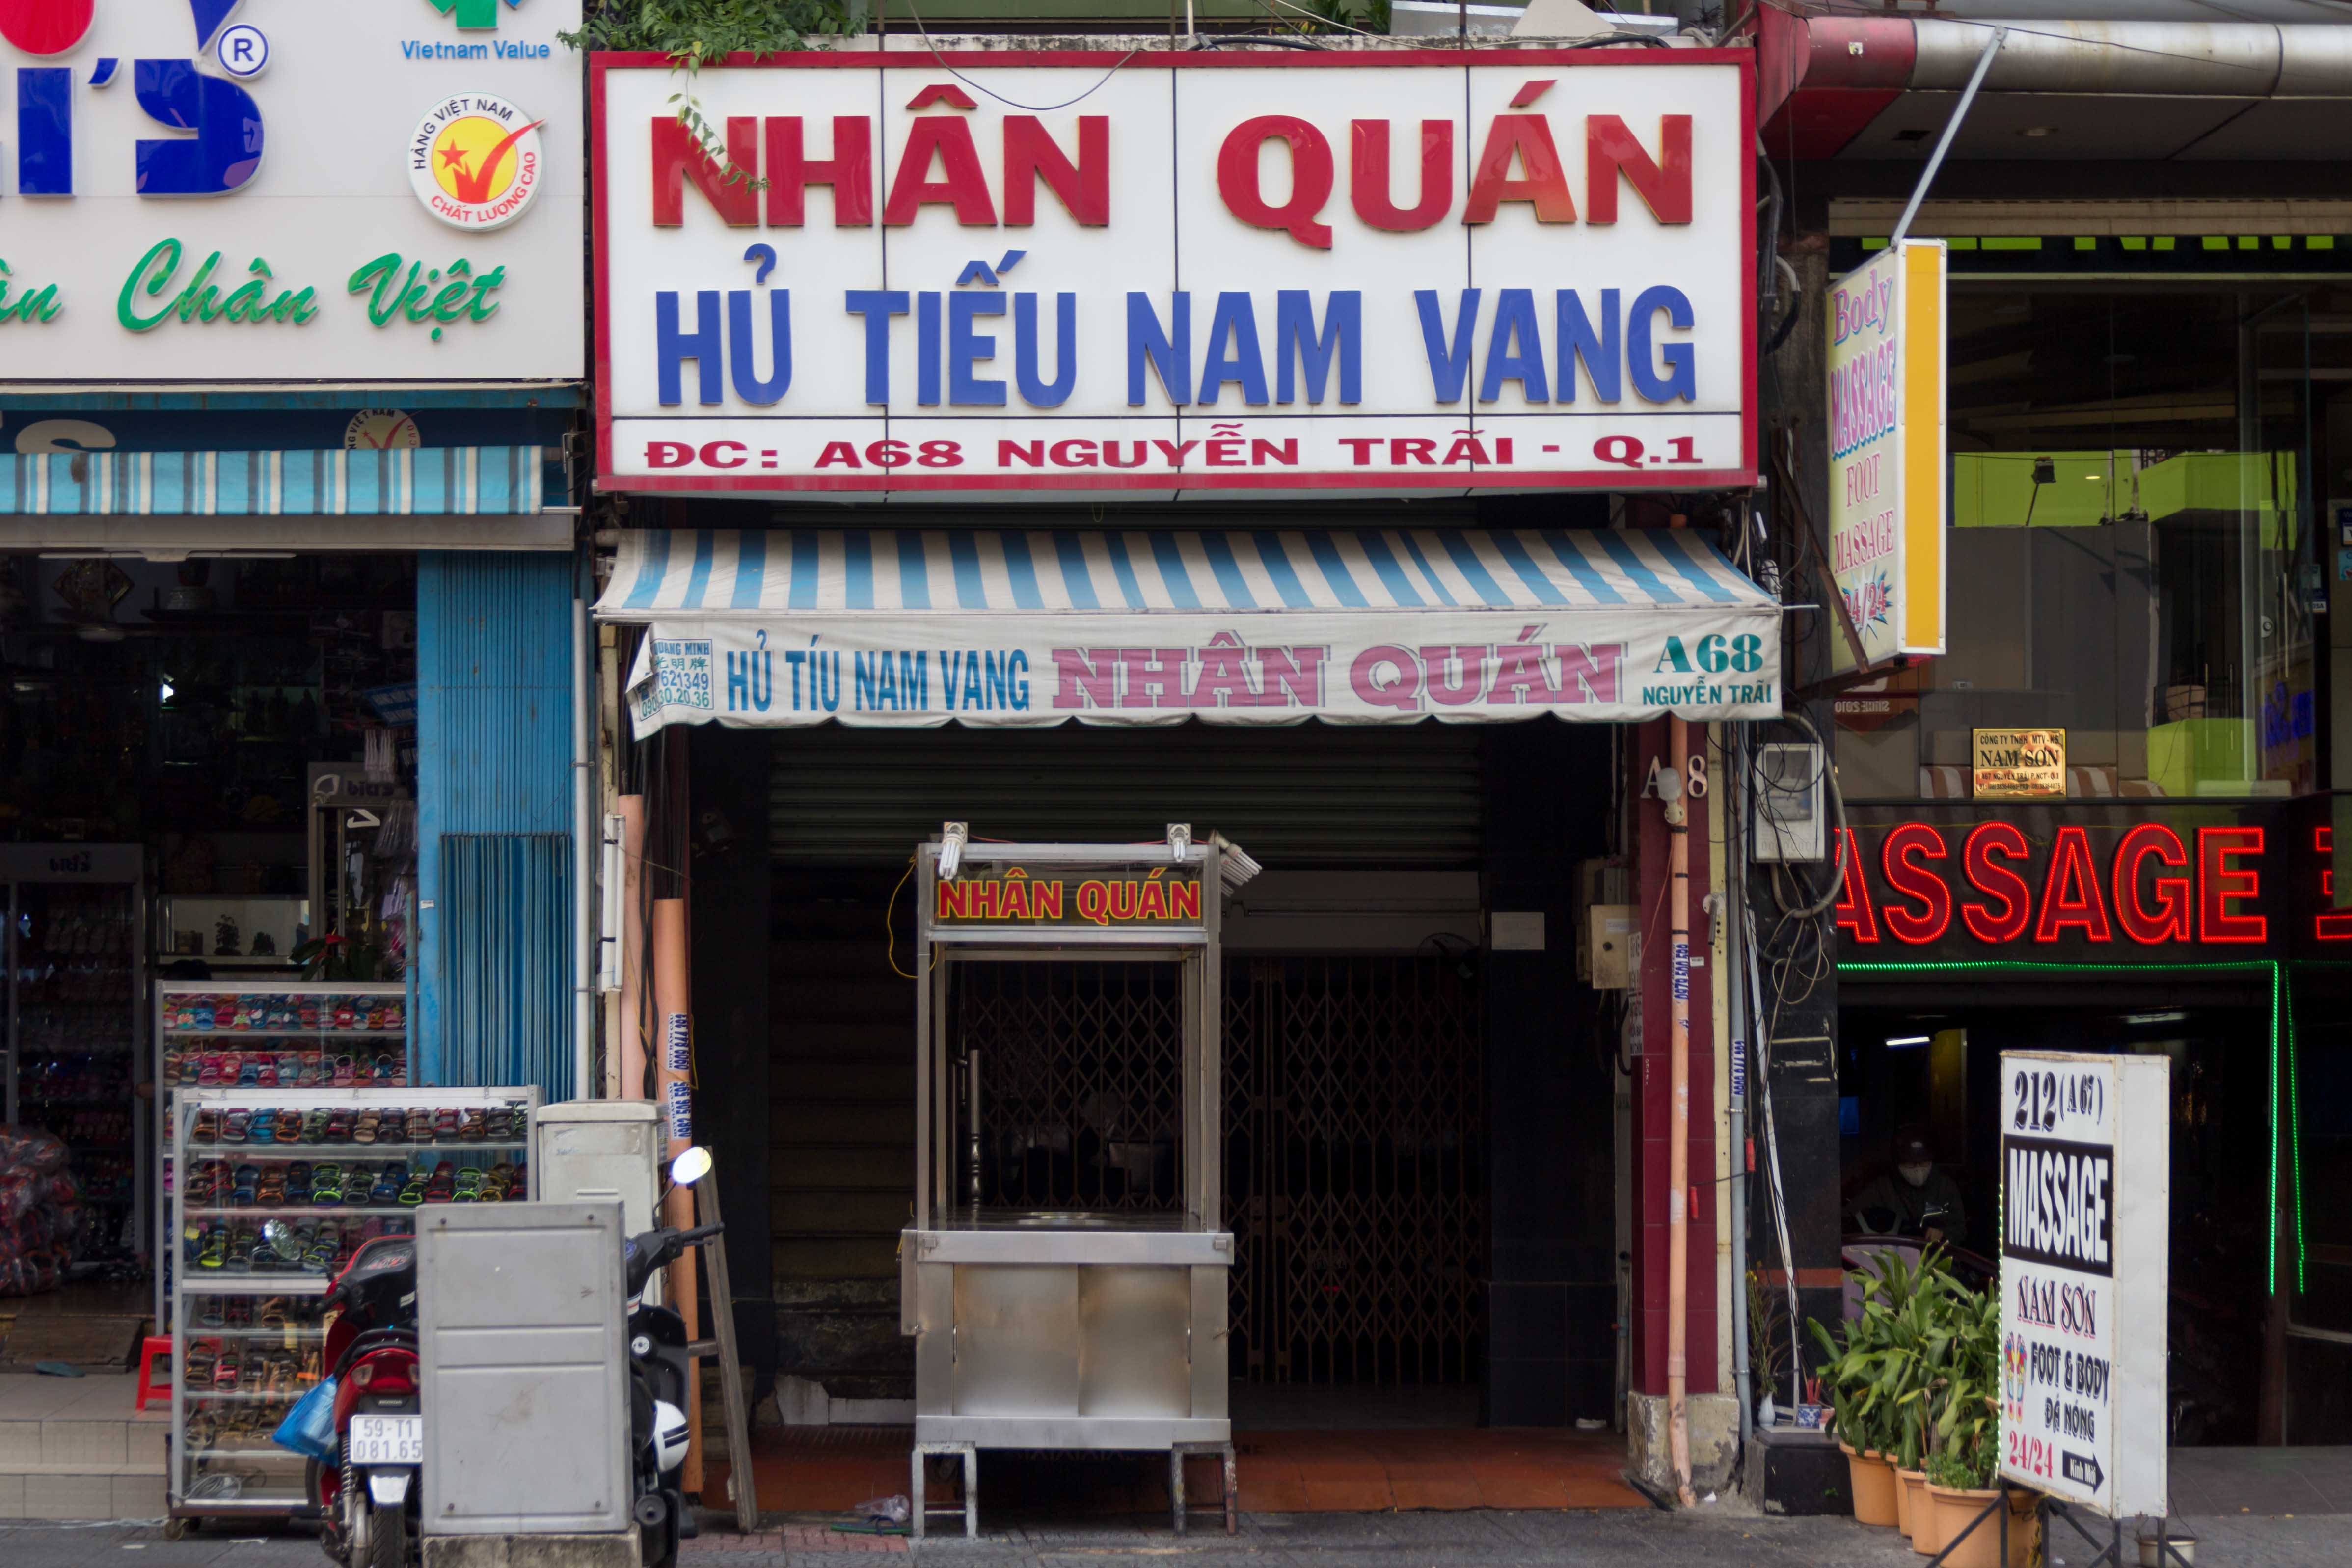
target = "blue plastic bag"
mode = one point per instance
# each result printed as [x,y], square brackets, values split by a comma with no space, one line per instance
[310,1427]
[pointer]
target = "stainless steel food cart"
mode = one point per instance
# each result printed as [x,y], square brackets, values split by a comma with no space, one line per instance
[1093,1325]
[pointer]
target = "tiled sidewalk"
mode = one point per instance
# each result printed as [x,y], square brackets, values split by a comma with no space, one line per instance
[833,1469]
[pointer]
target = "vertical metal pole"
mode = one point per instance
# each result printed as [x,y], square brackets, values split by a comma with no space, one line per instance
[1944,143]
[922,1085]
[971,1111]
[583,863]
[1735,912]
[1678,1118]
[1211,1088]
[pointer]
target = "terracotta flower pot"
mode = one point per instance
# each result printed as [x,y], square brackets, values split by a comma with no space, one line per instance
[1902,1495]
[1927,1538]
[1870,1481]
[1952,1509]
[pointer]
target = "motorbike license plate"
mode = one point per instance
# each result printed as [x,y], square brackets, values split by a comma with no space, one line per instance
[385,1440]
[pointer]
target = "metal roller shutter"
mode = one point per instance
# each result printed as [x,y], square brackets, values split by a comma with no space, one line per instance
[1306,795]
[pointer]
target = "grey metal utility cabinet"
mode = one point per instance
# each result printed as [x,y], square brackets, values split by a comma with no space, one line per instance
[523,1326]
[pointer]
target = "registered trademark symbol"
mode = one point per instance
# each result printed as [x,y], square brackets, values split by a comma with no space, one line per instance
[242,50]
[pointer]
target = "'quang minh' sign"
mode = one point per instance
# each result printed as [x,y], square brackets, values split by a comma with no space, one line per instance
[2085,1184]
[1886,363]
[1394,270]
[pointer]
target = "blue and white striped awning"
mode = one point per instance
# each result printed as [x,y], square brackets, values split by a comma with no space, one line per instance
[1153,627]
[660,573]
[418,481]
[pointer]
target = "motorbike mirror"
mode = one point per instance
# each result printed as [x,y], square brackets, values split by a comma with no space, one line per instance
[690,1166]
[278,1235]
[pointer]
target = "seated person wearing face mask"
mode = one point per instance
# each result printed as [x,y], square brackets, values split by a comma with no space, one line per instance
[1917,1199]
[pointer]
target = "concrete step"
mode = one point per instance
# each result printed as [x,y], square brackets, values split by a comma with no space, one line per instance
[73,1447]
[82,1491]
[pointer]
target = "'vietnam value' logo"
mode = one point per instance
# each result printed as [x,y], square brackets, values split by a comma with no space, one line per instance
[472,14]
[475,160]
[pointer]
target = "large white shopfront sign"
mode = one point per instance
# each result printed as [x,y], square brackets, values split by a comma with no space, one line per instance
[2085,1179]
[261,190]
[1408,270]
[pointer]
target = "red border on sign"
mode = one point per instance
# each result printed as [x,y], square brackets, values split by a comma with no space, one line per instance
[608,482]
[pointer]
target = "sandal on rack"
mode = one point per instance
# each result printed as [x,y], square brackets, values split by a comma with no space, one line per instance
[208,1128]
[443,1187]
[289,1127]
[314,1124]
[364,1130]
[263,1128]
[385,1193]
[391,1125]
[234,1125]
[468,1185]
[213,1248]
[339,1127]
[420,1127]
[327,1186]
[412,1192]
[496,1182]
[271,1193]
[473,1127]
[324,1252]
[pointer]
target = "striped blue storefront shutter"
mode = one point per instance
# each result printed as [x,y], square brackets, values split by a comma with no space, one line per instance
[494,694]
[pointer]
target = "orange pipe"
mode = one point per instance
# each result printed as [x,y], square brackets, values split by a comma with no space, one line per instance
[1678,1123]
[625,1061]
[673,1003]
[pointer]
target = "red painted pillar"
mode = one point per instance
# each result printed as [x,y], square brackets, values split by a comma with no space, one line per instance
[1653,1099]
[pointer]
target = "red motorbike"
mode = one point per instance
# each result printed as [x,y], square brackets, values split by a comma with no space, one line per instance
[368,1498]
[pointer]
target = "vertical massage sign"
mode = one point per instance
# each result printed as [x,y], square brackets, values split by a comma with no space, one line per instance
[338,190]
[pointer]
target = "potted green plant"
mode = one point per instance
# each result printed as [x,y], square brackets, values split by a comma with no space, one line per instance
[1966,1430]
[1863,1379]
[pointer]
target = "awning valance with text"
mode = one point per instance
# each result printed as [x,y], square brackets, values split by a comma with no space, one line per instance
[1151,626]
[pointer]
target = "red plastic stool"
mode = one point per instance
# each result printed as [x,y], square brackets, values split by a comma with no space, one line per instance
[151,1347]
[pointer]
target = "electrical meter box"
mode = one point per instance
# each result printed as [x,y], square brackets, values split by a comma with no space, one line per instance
[1791,814]
[601,1151]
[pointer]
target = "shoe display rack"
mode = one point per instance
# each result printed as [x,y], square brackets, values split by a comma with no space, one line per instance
[281,1034]
[74,1004]
[338,1167]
